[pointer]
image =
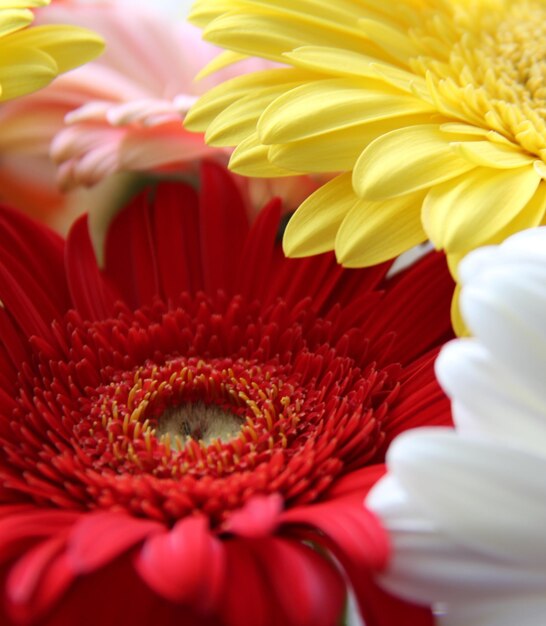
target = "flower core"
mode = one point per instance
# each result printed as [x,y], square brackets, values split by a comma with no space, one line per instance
[141,427]
[496,71]
[199,421]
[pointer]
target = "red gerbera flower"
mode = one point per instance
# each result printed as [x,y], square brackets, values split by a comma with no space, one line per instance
[189,427]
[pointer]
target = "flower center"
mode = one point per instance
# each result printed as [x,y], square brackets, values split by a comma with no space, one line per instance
[515,55]
[188,410]
[494,73]
[199,421]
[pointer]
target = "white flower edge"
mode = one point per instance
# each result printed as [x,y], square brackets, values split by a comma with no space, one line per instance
[466,509]
[466,527]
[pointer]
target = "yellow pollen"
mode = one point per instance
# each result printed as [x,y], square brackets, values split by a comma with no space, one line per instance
[132,395]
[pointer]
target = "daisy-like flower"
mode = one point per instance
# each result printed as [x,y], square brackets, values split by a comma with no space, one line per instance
[188,427]
[469,536]
[121,113]
[124,112]
[432,112]
[30,58]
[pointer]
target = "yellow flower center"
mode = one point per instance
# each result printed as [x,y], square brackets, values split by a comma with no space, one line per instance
[494,75]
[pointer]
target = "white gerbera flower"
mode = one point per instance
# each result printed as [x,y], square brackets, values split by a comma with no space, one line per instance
[466,509]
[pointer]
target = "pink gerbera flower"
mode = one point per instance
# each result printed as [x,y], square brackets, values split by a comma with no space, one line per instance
[188,427]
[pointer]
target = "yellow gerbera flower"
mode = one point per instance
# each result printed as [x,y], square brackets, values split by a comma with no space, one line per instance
[31,58]
[431,113]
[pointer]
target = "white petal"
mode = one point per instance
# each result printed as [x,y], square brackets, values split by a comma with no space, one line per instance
[505,308]
[519,610]
[488,400]
[483,495]
[429,566]
[527,245]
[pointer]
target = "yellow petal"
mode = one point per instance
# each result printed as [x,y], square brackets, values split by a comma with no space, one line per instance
[391,39]
[334,61]
[374,232]
[217,99]
[487,154]
[334,151]
[313,227]
[238,120]
[250,158]
[455,128]
[23,70]
[540,168]
[342,12]
[533,214]
[406,160]
[459,326]
[461,214]
[356,64]
[224,59]
[69,46]
[344,103]
[268,35]
[14,19]
[404,80]
[22,4]
[202,11]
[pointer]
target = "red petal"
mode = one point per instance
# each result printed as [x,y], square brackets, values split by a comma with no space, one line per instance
[91,294]
[185,565]
[258,518]
[352,532]
[257,258]
[14,347]
[380,608]
[28,302]
[308,588]
[275,581]
[101,537]
[115,596]
[417,308]
[356,484]
[176,217]
[246,597]
[144,251]
[421,403]
[359,281]
[38,579]
[20,526]
[40,248]
[130,253]
[295,279]
[224,228]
